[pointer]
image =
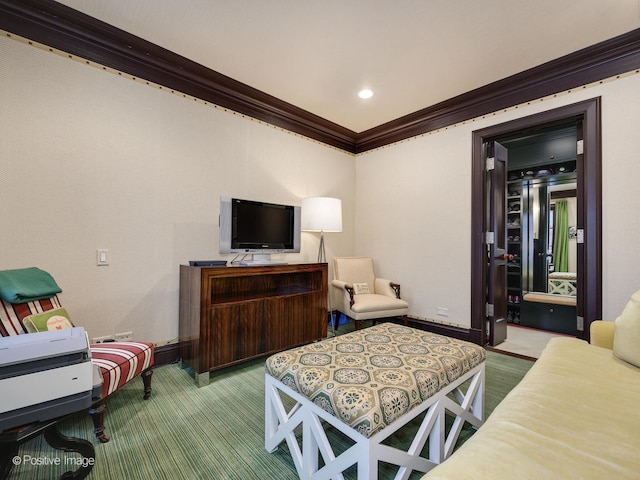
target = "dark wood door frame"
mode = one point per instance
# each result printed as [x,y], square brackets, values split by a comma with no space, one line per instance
[589,171]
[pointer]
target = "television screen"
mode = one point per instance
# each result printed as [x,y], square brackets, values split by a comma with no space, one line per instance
[248,226]
[258,225]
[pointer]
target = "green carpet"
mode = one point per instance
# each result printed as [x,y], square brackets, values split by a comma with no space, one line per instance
[214,432]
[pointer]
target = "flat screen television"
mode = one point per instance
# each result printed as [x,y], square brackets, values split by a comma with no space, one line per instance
[258,228]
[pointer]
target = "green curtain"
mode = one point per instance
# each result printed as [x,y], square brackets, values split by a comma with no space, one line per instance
[561,237]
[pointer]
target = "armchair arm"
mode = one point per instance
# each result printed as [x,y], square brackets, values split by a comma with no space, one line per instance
[347,287]
[387,287]
[602,333]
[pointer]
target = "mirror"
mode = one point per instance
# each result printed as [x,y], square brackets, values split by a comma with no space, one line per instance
[549,247]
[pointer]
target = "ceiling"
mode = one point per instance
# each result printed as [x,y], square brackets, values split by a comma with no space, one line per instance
[412,53]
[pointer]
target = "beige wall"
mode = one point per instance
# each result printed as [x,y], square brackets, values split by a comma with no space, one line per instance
[90,159]
[413,204]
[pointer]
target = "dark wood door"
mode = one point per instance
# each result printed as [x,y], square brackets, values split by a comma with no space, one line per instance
[498,256]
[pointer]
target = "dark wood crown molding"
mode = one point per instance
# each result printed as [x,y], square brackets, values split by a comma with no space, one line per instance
[63,28]
[595,63]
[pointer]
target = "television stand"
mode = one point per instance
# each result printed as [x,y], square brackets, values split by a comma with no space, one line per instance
[229,315]
[261,259]
[246,263]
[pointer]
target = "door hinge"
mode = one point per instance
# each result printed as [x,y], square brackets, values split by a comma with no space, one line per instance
[489,309]
[580,147]
[491,163]
[580,235]
[580,324]
[490,238]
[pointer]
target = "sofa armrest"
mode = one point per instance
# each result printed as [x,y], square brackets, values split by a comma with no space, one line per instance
[602,333]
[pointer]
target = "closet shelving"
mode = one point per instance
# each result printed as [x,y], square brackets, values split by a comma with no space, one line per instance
[514,244]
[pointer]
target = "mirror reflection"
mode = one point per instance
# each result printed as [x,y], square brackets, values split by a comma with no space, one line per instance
[549,258]
[542,236]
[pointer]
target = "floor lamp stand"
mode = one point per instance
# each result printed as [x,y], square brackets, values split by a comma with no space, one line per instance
[322,258]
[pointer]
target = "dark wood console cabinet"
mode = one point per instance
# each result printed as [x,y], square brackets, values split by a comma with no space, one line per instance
[232,314]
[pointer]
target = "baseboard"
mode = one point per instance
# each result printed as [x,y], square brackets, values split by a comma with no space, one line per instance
[167,354]
[468,334]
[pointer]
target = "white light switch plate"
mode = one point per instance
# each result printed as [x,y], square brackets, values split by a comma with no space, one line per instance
[102,255]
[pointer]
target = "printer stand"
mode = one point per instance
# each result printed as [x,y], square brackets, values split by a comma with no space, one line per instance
[10,441]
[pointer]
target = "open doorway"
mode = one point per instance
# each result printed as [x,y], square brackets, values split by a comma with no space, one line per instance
[542,227]
[584,119]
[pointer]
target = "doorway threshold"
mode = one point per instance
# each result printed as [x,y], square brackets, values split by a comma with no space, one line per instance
[525,342]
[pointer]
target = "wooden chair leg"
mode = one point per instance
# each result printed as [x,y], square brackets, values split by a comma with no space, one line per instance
[97,415]
[146,380]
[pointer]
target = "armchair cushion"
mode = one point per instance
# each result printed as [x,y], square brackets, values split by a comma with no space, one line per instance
[120,362]
[626,338]
[372,302]
[355,270]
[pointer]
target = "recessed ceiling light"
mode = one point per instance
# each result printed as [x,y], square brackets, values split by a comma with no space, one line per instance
[366,93]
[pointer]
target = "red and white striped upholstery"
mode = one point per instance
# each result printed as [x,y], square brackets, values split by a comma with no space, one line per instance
[119,362]
[11,314]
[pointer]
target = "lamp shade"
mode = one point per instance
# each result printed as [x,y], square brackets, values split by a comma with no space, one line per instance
[321,214]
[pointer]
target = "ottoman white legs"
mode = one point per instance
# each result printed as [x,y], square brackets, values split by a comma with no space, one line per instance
[366,452]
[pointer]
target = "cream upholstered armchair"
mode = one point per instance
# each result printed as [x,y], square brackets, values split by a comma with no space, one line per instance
[361,296]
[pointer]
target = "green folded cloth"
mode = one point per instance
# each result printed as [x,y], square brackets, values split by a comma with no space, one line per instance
[27,284]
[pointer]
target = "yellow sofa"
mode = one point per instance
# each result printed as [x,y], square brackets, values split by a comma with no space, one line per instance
[576,414]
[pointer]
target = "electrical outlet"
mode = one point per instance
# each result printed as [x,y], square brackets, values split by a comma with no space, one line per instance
[442,311]
[123,337]
[105,338]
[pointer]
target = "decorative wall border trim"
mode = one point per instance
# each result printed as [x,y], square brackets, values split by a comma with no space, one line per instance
[66,29]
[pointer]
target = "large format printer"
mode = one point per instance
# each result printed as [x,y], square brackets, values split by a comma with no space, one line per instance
[45,375]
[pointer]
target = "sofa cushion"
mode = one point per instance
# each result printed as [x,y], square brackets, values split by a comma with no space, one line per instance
[51,320]
[626,339]
[573,415]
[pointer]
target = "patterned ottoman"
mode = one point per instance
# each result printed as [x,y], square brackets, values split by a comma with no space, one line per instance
[369,384]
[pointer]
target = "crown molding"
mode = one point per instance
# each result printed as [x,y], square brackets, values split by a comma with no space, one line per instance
[592,64]
[63,28]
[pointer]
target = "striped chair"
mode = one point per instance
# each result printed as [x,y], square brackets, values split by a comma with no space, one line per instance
[119,362]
